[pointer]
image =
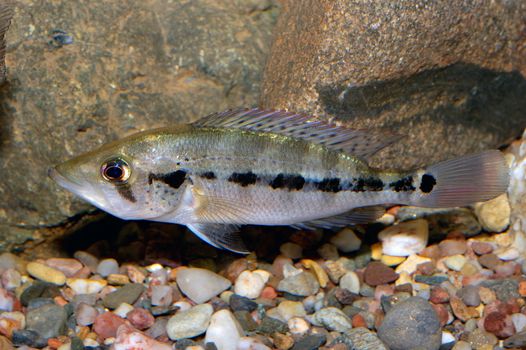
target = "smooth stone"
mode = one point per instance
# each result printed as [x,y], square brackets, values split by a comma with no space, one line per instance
[479,338]
[404,239]
[288,309]
[364,339]
[201,285]
[461,345]
[450,247]
[123,309]
[291,250]
[28,337]
[129,338]
[310,342]
[333,319]
[85,314]
[107,267]
[346,241]
[469,295]
[302,284]
[7,300]
[85,286]
[410,264]
[38,289]
[12,261]
[107,324]
[49,320]
[239,303]
[298,326]
[519,322]
[377,273]
[250,284]
[271,325]
[140,318]
[46,273]
[411,324]
[189,323]
[455,262]
[246,321]
[351,282]
[328,252]
[68,266]
[11,279]
[494,215]
[431,280]
[87,259]
[516,341]
[162,295]
[224,331]
[128,293]
[246,343]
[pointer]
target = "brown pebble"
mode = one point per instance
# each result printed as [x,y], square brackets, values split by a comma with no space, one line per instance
[449,247]
[490,261]
[235,268]
[522,288]
[358,321]
[282,341]
[461,311]
[499,324]
[345,296]
[432,252]
[140,318]
[438,295]
[442,313]
[481,248]
[377,273]
[106,324]
[405,288]
[427,268]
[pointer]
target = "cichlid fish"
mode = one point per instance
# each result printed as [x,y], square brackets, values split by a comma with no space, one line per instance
[265,167]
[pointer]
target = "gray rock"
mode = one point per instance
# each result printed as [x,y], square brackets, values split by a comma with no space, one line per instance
[398,65]
[107,267]
[164,63]
[270,325]
[128,293]
[364,339]
[505,289]
[516,341]
[411,324]
[302,284]
[333,319]
[85,314]
[48,321]
[469,295]
[189,323]
[310,342]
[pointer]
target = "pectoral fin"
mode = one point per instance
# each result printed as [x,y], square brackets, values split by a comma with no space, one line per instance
[224,236]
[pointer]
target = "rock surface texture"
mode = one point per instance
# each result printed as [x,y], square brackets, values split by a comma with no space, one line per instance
[448,76]
[119,68]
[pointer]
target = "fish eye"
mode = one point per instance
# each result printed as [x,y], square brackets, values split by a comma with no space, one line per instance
[116,170]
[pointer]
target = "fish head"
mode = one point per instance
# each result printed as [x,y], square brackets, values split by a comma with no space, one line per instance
[117,177]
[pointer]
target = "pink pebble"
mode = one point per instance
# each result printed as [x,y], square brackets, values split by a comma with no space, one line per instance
[106,324]
[140,318]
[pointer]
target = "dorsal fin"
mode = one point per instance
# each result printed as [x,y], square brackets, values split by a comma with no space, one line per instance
[360,143]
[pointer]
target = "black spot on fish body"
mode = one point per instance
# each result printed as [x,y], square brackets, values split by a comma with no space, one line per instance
[243,179]
[291,182]
[209,175]
[329,185]
[374,184]
[126,192]
[427,183]
[404,184]
[174,179]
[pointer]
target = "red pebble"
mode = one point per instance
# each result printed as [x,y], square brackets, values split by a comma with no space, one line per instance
[377,273]
[106,324]
[358,321]
[522,288]
[442,313]
[140,318]
[499,324]
[268,293]
[438,295]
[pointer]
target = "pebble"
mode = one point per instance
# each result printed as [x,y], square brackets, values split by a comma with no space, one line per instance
[11,261]
[333,319]
[479,338]
[404,239]
[410,265]
[411,324]
[128,293]
[377,273]
[162,295]
[239,303]
[438,295]
[351,282]
[346,241]
[140,318]
[310,342]
[298,326]
[282,341]
[302,284]
[271,325]
[117,279]
[108,267]
[461,311]
[46,273]
[450,247]
[106,324]
[201,285]
[499,323]
[481,248]
[7,300]
[70,267]
[189,323]
[246,343]
[250,284]
[48,320]
[494,215]
[364,339]
[291,250]
[461,345]
[85,314]
[85,286]
[519,322]
[11,279]
[517,341]
[87,259]
[28,337]
[129,338]
[490,261]
[469,295]
[123,309]
[5,344]
[288,309]
[455,262]
[224,331]
[328,252]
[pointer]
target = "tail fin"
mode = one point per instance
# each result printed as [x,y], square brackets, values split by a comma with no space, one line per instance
[463,181]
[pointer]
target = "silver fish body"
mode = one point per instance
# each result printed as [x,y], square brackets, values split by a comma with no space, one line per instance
[265,168]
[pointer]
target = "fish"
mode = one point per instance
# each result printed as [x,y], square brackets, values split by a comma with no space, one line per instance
[266,167]
[6,14]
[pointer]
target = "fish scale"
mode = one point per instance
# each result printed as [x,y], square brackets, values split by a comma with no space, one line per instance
[264,167]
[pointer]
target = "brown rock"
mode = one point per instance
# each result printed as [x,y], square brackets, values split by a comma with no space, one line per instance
[5,344]
[449,247]
[140,318]
[481,248]
[282,341]
[461,311]
[443,314]
[377,273]
[399,64]
[106,325]
[490,261]
[499,324]
[438,295]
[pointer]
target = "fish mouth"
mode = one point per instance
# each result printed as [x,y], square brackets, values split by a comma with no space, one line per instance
[60,179]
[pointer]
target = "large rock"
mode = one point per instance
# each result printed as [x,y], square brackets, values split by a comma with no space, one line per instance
[131,65]
[448,75]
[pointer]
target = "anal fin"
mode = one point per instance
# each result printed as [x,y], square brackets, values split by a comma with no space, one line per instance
[225,236]
[356,216]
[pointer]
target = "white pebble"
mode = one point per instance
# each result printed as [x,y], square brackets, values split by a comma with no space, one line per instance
[404,239]
[183,305]
[246,343]
[189,323]
[249,284]
[123,310]
[291,250]
[410,264]
[224,330]
[507,254]
[519,321]
[351,282]
[455,262]
[346,241]
[201,285]
[494,215]
[162,295]
[290,271]
[298,326]
[447,338]
[6,301]
[85,286]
